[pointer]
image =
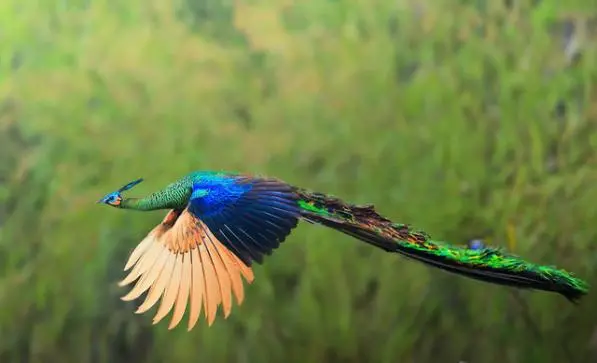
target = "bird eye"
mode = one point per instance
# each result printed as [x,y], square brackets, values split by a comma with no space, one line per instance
[110,199]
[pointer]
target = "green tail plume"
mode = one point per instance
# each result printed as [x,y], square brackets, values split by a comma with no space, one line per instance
[485,264]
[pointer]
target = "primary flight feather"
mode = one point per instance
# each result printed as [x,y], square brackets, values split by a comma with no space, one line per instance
[219,223]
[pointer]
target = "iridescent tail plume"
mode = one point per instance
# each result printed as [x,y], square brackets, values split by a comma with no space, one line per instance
[485,264]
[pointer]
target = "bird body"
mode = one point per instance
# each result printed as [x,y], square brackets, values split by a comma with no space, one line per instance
[219,223]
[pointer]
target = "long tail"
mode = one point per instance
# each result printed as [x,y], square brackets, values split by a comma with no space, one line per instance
[485,264]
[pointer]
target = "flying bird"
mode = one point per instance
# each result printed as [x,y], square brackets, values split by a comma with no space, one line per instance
[219,223]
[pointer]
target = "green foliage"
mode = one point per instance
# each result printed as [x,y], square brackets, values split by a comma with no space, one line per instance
[441,113]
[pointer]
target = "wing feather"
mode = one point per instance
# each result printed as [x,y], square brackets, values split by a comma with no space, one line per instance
[197,289]
[233,266]
[252,220]
[142,265]
[148,279]
[171,291]
[157,290]
[235,279]
[221,276]
[211,296]
[183,291]
[138,252]
[182,263]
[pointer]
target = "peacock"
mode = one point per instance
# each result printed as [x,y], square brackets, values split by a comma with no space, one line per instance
[219,223]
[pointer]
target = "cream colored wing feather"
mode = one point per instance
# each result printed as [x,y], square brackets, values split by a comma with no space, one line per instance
[182,263]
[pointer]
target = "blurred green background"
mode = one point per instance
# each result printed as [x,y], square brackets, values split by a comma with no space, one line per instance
[460,117]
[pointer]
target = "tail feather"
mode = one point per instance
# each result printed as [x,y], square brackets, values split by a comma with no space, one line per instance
[485,264]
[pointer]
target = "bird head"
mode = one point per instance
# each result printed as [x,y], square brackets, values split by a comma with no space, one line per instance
[115,198]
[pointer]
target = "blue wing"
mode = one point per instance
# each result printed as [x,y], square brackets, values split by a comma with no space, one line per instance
[250,216]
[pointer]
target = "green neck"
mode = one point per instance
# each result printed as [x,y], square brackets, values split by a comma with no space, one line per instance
[142,204]
[164,199]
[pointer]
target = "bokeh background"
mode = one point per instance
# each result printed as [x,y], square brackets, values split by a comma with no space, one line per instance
[469,119]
